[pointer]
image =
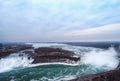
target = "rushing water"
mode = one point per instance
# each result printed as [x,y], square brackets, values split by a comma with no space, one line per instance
[93,60]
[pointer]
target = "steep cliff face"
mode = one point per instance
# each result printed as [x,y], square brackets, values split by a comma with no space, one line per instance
[113,75]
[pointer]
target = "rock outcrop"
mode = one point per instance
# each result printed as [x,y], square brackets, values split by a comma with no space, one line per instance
[49,55]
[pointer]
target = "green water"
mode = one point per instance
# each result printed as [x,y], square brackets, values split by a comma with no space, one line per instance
[48,73]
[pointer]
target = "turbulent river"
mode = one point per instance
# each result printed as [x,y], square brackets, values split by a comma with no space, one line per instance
[93,60]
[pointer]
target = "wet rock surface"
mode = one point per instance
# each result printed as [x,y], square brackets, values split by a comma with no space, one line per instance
[49,55]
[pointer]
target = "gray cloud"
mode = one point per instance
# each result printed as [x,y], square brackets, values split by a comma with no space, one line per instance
[51,20]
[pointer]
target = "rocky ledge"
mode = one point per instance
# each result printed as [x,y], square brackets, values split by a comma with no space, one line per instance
[50,55]
[113,75]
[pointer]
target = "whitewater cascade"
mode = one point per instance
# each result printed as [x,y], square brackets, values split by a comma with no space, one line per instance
[14,61]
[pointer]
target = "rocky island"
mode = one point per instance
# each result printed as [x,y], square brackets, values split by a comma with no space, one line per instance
[51,55]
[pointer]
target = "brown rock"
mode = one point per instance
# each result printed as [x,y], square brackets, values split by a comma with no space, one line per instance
[48,55]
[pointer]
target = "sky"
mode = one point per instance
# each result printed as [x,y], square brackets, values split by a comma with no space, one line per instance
[59,20]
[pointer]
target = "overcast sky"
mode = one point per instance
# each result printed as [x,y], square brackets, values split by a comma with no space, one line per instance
[59,20]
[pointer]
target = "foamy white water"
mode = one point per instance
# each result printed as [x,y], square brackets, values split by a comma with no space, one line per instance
[106,59]
[37,45]
[14,61]
[54,63]
[76,49]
